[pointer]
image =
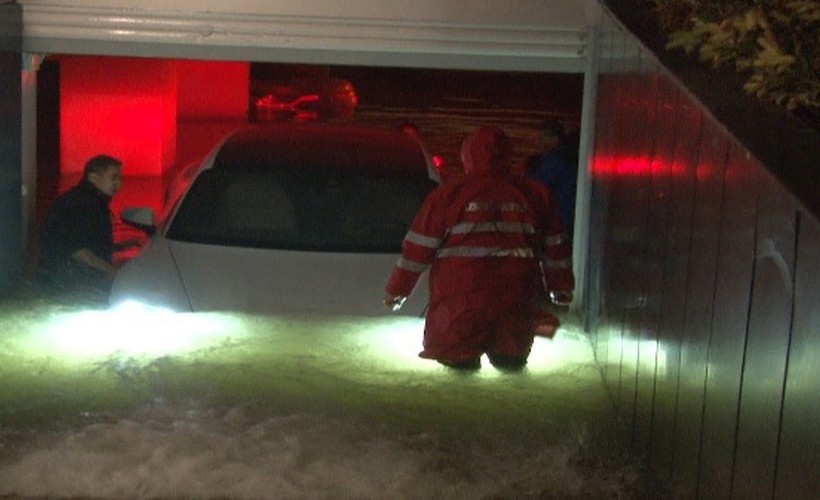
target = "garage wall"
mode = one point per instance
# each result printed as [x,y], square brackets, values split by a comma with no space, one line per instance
[705,305]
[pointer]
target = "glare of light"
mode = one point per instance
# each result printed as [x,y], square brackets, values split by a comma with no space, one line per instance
[391,343]
[651,349]
[397,342]
[633,166]
[132,329]
[568,348]
[103,100]
[648,355]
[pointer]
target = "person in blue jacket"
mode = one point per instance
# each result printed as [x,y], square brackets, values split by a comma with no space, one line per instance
[557,168]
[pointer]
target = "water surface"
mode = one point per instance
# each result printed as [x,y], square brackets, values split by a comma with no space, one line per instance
[98,403]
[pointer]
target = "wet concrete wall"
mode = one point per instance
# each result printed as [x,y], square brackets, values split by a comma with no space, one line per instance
[704,306]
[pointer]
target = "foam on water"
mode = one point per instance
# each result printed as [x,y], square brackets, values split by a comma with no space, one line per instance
[195,453]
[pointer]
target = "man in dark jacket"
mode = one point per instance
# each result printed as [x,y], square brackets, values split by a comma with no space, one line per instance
[483,237]
[77,243]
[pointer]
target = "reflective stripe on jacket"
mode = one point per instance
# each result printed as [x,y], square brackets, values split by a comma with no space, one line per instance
[487,227]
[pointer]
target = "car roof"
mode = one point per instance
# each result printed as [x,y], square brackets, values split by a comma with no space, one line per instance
[320,145]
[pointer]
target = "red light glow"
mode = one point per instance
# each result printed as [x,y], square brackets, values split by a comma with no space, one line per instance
[438,163]
[302,108]
[124,107]
[130,107]
[636,166]
[212,89]
[633,166]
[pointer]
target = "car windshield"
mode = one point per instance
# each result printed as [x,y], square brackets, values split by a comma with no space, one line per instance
[317,209]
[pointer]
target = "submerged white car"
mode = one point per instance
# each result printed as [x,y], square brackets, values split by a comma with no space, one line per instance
[305,218]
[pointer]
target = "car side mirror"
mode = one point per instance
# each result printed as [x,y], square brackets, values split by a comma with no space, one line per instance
[140,217]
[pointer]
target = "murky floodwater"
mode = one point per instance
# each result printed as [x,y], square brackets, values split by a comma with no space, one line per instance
[151,404]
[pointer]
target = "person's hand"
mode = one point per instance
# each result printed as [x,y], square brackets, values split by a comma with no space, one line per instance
[393,302]
[561,298]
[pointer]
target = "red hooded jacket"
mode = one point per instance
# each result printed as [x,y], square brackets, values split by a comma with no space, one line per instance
[488,229]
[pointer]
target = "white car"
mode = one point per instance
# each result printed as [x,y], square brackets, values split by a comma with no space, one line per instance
[305,218]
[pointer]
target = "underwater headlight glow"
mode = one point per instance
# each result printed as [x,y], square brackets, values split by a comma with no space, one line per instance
[396,339]
[132,328]
[389,344]
[397,342]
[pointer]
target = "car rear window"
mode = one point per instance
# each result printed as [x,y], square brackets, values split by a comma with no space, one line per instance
[316,209]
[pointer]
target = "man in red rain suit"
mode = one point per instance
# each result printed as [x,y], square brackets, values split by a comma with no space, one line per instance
[485,238]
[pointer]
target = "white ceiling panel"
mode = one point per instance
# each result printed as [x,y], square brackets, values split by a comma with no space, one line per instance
[545,35]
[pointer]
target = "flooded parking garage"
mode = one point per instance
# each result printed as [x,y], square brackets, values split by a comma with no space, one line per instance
[145,403]
[726,417]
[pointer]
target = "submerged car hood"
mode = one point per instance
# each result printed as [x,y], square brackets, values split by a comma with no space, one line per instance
[264,280]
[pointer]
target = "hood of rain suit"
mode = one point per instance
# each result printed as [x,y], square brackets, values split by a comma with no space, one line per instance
[486,150]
